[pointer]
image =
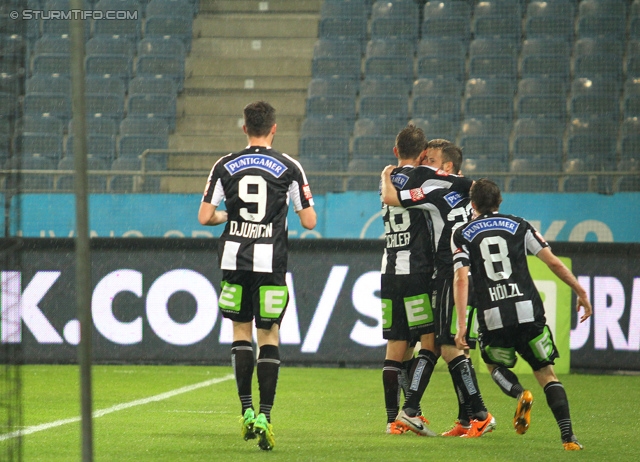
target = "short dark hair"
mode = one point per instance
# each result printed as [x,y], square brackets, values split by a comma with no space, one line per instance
[450,152]
[485,195]
[410,142]
[259,117]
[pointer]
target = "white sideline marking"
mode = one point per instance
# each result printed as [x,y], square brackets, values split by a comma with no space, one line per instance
[117,407]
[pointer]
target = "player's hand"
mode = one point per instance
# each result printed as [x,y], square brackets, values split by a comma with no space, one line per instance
[588,311]
[387,171]
[461,339]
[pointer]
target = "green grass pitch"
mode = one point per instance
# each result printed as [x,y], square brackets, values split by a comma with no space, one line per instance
[320,414]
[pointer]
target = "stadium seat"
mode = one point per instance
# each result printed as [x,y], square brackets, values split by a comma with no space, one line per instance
[95,183]
[170,26]
[598,58]
[156,84]
[46,145]
[535,126]
[327,126]
[437,128]
[550,19]
[380,126]
[372,86]
[390,47]
[451,67]
[48,84]
[601,8]
[341,58]
[326,86]
[98,126]
[166,46]
[52,44]
[115,45]
[162,65]
[384,105]
[341,107]
[345,9]
[490,57]
[443,106]
[592,143]
[543,150]
[632,59]
[352,28]
[497,18]
[333,150]
[447,20]
[163,106]
[30,182]
[320,176]
[132,125]
[491,150]
[546,57]
[129,28]
[52,63]
[398,18]
[105,105]
[371,181]
[98,84]
[489,98]
[100,146]
[389,66]
[40,124]
[595,98]
[376,146]
[181,8]
[126,183]
[53,104]
[131,145]
[484,126]
[120,66]
[437,86]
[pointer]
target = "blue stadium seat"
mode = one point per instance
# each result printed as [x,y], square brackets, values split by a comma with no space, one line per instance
[352,28]
[132,125]
[131,145]
[341,107]
[129,28]
[104,45]
[334,150]
[156,84]
[595,98]
[181,8]
[484,126]
[105,105]
[41,83]
[601,8]
[105,85]
[598,58]
[543,149]
[550,19]
[489,57]
[95,183]
[53,104]
[40,124]
[397,18]
[489,98]
[428,47]
[632,59]
[538,126]
[374,147]
[442,106]
[163,106]
[321,184]
[30,182]
[497,18]
[447,20]
[384,105]
[372,86]
[592,143]
[370,182]
[52,44]
[379,126]
[156,65]
[441,67]
[126,183]
[170,26]
[100,146]
[602,18]
[325,86]
[345,9]
[52,63]
[436,127]
[98,126]
[168,46]
[437,86]
[389,66]
[390,47]
[491,150]
[46,145]
[337,58]
[120,66]
[629,144]
[548,57]
[530,183]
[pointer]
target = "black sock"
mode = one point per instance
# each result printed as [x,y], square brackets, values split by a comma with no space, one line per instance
[268,368]
[390,382]
[507,381]
[405,373]
[242,361]
[559,405]
[464,378]
[420,376]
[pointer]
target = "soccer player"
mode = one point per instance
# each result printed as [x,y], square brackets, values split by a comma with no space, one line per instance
[510,311]
[448,210]
[407,267]
[256,184]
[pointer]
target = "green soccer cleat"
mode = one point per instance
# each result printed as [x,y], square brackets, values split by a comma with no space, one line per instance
[264,430]
[247,422]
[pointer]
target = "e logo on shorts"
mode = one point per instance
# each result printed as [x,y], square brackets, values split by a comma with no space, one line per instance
[273,300]
[230,297]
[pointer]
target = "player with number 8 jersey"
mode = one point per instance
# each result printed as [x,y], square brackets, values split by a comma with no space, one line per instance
[257,184]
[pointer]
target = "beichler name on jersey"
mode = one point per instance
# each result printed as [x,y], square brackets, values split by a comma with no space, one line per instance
[502,291]
[489,224]
[398,240]
[261,161]
[250,230]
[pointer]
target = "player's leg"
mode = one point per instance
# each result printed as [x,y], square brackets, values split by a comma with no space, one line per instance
[391,378]
[235,304]
[270,299]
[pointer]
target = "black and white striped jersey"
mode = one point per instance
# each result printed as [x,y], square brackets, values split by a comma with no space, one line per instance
[256,184]
[408,231]
[408,240]
[495,246]
[448,210]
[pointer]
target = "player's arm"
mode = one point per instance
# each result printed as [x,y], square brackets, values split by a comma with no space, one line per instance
[561,270]
[388,191]
[461,298]
[308,217]
[208,215]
